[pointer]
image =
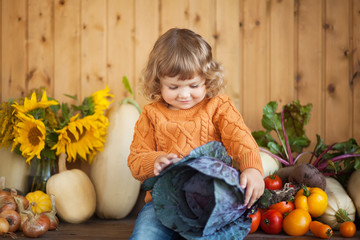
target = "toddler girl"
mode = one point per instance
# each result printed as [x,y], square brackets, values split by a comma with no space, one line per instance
[183,81]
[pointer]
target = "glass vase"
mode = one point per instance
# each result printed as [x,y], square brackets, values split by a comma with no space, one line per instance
[40,171]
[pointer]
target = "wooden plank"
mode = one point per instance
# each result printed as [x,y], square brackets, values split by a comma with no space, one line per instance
[13,49]
[120,46]
[1,3]
[310,60]
[256,91]
[174,14]
[356,69]
[93,46]
[67,49]
[282,51]
[203,18]
[228,46]
[121,229]
[146,14]
[338,119]
[40,45]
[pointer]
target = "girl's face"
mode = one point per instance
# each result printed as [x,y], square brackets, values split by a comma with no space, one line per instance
[182,94]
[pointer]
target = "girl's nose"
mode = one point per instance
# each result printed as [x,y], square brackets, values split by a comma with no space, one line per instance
[184,93]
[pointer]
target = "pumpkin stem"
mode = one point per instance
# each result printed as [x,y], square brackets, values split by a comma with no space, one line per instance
[342,216]
[62,162]
[2,183]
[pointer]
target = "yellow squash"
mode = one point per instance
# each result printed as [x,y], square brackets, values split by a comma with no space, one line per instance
[39,201]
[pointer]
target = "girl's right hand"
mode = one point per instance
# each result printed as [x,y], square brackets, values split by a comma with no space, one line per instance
[163,161]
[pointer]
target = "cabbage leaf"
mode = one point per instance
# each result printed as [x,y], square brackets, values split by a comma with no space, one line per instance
[200,197]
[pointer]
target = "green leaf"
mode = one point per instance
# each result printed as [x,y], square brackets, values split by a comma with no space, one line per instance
[127,85]
[269,116]
[71,96]
[132,102]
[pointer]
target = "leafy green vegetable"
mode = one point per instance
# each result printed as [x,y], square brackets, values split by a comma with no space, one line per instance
[288,126]
[337,159]
[200,196]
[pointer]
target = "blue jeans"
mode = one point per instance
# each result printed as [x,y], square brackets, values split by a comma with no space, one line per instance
[148,226]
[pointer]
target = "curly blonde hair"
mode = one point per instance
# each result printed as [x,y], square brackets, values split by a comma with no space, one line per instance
[182,53]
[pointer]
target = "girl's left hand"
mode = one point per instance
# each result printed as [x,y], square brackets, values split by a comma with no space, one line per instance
[252,180]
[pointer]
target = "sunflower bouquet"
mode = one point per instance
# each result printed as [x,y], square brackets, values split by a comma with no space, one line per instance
[40,127]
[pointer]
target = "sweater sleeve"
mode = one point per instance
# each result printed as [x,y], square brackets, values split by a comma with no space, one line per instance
[143,149]
[236,136]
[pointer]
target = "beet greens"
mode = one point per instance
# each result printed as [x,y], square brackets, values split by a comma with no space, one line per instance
[288,127]
[337,160]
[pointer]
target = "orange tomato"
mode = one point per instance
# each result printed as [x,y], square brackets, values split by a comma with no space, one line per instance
[256,217]
[320,230]
[297,222]
[284,207]
[347,229]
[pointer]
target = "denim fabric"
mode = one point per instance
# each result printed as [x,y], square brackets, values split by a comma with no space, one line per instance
[148,227]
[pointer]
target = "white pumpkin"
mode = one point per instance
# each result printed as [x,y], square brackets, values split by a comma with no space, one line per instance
[353,189]
[270,164]
[340,206]
[116,189]
[14,168]
[75,197]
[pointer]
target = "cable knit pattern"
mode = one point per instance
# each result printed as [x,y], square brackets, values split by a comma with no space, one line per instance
[160,130]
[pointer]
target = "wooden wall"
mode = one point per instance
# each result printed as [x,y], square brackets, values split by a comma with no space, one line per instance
[271,49]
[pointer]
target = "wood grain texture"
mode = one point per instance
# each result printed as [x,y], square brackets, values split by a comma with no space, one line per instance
[40,45]
[355,74]
[309,78]
[256,80]
[338,102]
[271,50]
[67,58]
[122,229]
[14,49]
[93,46]
[228,50]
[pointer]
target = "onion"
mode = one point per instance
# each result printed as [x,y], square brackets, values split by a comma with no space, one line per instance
[54,221]
[35,225]
[22,200]
[22,211]
[4,226]
[7,203]
[13,219]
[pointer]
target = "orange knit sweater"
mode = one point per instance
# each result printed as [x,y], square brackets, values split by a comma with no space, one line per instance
[160,130]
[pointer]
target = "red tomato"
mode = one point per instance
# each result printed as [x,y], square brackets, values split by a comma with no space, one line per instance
[284,207]
[271,221]
[255,217]
[273,182]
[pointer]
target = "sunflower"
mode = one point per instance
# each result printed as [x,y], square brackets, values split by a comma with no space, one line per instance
[81,137]
[32,103]
[101,100]
[30,134]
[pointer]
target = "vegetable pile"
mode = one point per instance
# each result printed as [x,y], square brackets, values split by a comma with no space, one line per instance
[33,215]
[320,195]
[200,196]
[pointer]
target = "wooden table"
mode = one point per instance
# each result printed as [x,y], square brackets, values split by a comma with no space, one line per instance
[121,229]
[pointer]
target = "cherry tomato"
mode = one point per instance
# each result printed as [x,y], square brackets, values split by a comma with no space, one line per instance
[255,217]
[273,182]
[271,221]
[347,229]
[297,222]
